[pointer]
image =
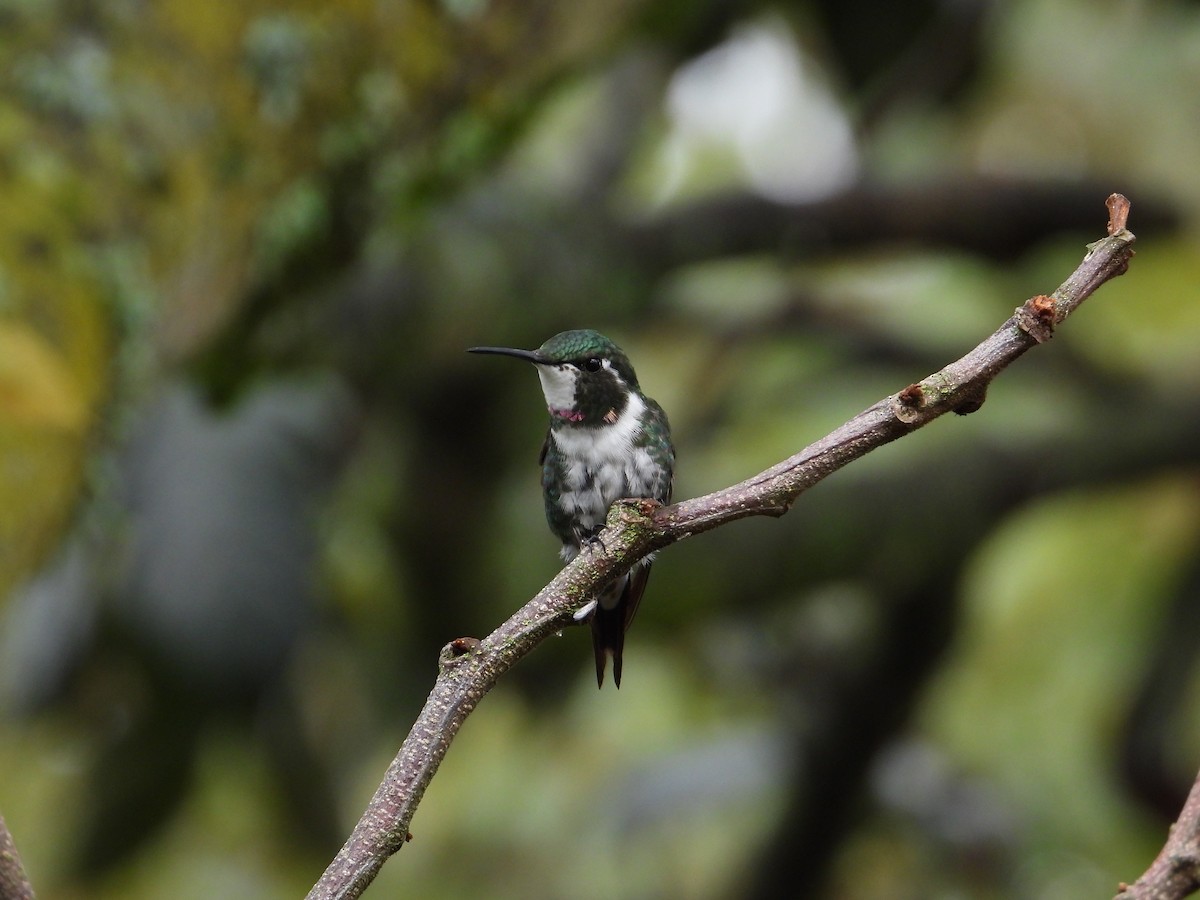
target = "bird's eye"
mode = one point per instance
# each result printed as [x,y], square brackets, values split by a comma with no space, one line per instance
[593,364]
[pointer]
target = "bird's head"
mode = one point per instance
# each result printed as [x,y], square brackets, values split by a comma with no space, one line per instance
[586,378]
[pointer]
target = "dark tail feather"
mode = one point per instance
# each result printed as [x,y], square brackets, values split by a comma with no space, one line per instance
[609,625]
[608,636]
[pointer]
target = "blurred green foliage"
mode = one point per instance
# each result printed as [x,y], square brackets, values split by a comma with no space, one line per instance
[243,248]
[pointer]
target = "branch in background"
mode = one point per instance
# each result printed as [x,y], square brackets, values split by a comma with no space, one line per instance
[14,883]
[998,219]
[1175,872]
[469,667]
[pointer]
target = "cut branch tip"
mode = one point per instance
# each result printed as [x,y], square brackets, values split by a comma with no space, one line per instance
[1118,212]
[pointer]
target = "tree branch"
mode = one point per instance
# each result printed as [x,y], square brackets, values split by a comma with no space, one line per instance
[14,883]
[1175,872]
[469,667]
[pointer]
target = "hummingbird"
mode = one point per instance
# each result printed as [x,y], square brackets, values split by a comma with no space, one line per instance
[606,441]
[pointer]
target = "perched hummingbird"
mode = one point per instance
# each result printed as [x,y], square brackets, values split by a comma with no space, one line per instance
[607,441]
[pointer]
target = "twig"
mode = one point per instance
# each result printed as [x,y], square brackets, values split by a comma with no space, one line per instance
[14,883]
[469,667]
[1176,870]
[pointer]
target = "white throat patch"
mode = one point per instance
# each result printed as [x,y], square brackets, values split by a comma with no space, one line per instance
[558,385]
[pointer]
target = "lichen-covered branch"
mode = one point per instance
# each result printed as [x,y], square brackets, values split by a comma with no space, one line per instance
[469,667]
[1175,872]
[14,883]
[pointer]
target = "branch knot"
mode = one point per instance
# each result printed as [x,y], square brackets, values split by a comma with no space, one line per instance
[452,654]
[1037,317]
[909,402]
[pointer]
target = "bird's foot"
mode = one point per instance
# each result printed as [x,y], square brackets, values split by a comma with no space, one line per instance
[589,541]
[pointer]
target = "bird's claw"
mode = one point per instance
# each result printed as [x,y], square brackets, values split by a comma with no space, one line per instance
[589,541]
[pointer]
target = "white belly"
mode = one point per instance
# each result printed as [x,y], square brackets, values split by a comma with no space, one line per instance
[604,466]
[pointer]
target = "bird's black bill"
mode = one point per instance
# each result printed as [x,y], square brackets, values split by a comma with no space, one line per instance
[528,355]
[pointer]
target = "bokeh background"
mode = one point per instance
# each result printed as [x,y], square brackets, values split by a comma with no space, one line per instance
[251,483]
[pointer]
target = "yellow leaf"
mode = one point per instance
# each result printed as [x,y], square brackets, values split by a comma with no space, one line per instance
[36,386]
